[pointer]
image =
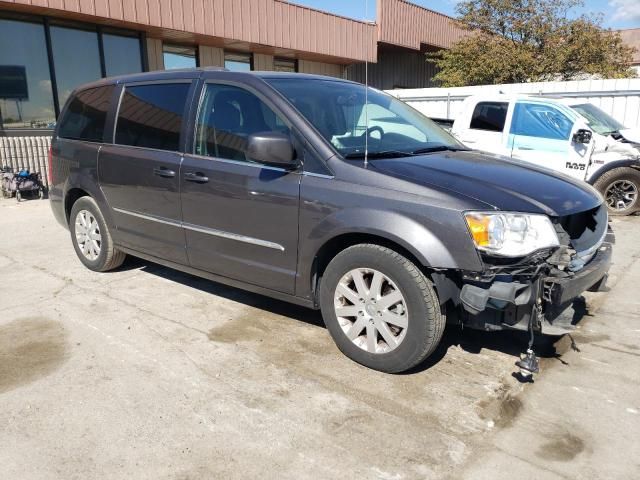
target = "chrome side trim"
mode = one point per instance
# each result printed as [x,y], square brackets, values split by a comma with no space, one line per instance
[153,218]
[206,230]
[317,175]
[233,236]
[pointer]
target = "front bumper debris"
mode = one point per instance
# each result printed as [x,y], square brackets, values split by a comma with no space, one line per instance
[509,304]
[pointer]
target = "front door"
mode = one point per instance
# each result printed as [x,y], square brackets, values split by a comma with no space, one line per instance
[240,217]
[140,173]
[543,134]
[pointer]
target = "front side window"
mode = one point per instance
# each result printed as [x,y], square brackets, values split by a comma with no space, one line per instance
[226,118]
[151,116]
[26,96]
[540,120]
[86,115]
[489,116]
[385,125]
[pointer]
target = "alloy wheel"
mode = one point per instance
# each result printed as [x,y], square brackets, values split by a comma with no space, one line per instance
[371,310]
[621,195]
[88,235]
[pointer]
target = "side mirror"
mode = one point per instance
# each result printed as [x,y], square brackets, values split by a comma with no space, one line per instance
[272,148]
[582,136]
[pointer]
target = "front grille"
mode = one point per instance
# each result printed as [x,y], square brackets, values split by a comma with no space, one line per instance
[586,232]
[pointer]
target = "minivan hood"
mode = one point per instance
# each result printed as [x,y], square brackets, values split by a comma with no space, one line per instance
[496,181]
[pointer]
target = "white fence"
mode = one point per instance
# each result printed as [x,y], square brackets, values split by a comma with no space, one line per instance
[26,152]
[620,98]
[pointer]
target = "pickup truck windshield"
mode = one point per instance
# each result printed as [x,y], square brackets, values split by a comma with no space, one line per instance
[337,110]
[601,122]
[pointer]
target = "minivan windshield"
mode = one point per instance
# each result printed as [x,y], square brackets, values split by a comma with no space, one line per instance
[601,122]
[337,110]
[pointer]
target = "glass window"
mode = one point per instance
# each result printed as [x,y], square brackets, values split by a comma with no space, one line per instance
[227,116]
[76,57]
[601,122]
[237,62]
[540,120]
[177,56]
[86,115]
[489,116]
[284,65]
[151,115]
[337,110]
[121,54]
[26,97]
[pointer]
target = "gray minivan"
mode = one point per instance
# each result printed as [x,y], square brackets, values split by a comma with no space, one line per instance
[318,191]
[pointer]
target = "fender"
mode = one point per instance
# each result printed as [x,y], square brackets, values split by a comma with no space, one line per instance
[612,165]
[425,245]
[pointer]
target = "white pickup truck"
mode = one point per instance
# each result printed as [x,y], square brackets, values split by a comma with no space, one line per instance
[558,136]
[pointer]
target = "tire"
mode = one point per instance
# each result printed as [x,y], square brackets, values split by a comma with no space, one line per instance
[102,255]
[423,322]
[617,186]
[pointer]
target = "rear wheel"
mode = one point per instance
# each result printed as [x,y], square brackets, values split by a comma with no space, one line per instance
[91,238]
[620,188]
[380,309]
[18,196]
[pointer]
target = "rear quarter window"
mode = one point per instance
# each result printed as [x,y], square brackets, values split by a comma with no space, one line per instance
[86,115]
[489,116]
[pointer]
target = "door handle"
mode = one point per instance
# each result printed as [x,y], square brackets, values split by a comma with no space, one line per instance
[164,172]
[196,177]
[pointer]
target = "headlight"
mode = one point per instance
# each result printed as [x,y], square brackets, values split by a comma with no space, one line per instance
[511,234]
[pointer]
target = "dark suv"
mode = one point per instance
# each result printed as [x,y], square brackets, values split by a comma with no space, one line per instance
[306,189]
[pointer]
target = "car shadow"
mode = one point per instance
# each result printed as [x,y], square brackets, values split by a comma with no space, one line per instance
[509,342]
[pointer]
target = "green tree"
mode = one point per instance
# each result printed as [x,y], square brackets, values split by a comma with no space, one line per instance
[514,41]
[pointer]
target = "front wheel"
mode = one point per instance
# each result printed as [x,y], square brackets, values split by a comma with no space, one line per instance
[620,188]
[380,309]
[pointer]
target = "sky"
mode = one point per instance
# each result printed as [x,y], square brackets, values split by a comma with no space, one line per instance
[618,13]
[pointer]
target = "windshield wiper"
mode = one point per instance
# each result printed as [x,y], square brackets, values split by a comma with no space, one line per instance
[380,154]
[439,148]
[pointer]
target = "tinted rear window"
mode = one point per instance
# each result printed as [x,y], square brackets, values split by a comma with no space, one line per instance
[151,115]
[489,116]
[86,115]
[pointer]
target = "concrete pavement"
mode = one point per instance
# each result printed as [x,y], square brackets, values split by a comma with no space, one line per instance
[150,373]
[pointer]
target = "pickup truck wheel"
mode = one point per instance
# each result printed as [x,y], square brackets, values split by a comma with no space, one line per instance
[380,309]
[620,188]
[91,237]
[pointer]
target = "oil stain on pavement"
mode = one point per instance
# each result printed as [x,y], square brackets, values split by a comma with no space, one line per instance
[30,348]
[562,448]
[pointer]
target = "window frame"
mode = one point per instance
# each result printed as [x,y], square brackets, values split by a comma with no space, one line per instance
[490,102]
[47,22]
[198,101]
[186,114]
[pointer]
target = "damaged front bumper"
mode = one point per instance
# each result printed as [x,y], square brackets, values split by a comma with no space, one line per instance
[512,301]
